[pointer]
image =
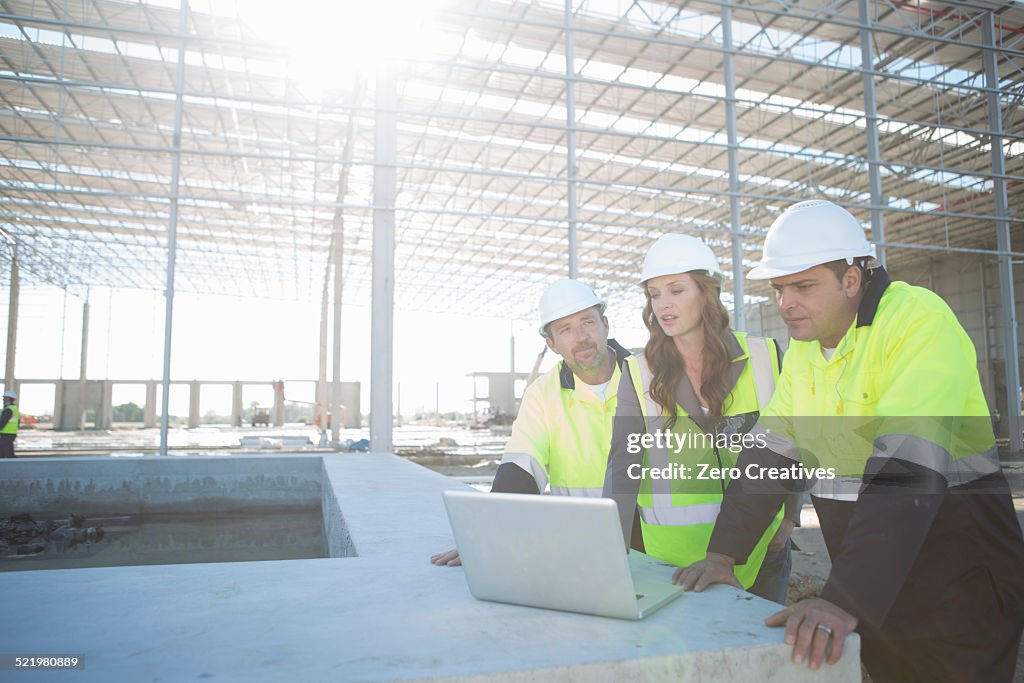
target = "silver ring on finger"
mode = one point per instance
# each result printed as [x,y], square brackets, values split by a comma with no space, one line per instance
[824,628]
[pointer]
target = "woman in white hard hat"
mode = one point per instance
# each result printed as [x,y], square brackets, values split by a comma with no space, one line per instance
[684,409]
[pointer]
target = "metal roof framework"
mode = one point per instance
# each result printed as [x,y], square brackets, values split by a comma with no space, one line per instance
[707,116]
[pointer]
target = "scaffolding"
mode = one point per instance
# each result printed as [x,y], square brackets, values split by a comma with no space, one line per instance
[524,141]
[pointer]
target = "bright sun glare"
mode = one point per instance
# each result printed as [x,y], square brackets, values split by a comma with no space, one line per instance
[332,43]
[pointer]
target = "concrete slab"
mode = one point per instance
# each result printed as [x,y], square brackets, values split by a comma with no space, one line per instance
[386,614]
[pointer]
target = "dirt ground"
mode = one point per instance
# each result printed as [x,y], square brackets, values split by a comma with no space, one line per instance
[811,563]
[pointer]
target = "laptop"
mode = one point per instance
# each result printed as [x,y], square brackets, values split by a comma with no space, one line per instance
[553,552]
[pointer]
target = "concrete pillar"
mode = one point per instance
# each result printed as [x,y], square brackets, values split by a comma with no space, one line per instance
[236,404]
[278,416]
[70,414]
[149,410]
[58,404]
[105,405]
[352,410]
[193,403]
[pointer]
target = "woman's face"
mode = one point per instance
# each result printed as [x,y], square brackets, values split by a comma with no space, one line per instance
[676,302]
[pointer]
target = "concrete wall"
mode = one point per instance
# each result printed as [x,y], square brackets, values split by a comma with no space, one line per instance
[98,398]
[110,486]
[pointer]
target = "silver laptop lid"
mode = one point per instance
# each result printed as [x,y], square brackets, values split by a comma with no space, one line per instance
[554,552]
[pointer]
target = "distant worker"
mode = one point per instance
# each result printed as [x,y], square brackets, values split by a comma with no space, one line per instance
[880,408]
[560,437]
[704,385]
[9,419]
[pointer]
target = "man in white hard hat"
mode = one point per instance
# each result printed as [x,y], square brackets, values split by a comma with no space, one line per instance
[9,419]
[879,407]
[561,436]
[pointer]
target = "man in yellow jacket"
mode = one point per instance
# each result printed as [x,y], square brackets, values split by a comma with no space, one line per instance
[880,409]
[561,435]
[9,419]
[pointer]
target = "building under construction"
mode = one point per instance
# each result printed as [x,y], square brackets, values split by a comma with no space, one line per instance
[449,157]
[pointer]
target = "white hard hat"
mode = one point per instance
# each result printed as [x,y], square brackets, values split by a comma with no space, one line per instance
[675,253]
[10,393]
[809,234]
[565,297]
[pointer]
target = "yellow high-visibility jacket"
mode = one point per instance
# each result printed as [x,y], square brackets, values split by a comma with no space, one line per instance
[560,436]
[916,515]
[678,513]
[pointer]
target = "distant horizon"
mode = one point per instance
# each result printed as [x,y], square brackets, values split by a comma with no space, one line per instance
[218,338]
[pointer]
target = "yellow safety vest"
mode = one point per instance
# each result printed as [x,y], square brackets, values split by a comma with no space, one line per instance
[904,384]
[12,425]
[677,515]
[563,431]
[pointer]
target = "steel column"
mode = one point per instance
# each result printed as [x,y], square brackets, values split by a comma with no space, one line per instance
[871,129]
[337,255]
[172,223]
[570,136]
[12,319]
[1006,294]
[321,400]
[82,386]
[739,314]
[383,278]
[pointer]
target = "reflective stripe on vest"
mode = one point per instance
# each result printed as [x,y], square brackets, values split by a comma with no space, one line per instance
[577,491]
[12,425]
[760,355]
[681,515]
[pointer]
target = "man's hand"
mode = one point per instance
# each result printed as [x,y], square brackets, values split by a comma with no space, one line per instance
[810,624]
[450,559]
[713,569]
[785,530]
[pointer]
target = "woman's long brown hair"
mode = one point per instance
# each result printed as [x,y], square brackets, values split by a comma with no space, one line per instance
[667,365]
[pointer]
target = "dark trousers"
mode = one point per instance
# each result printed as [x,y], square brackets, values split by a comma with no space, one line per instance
[987,654]
[7,445]
[772,582]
